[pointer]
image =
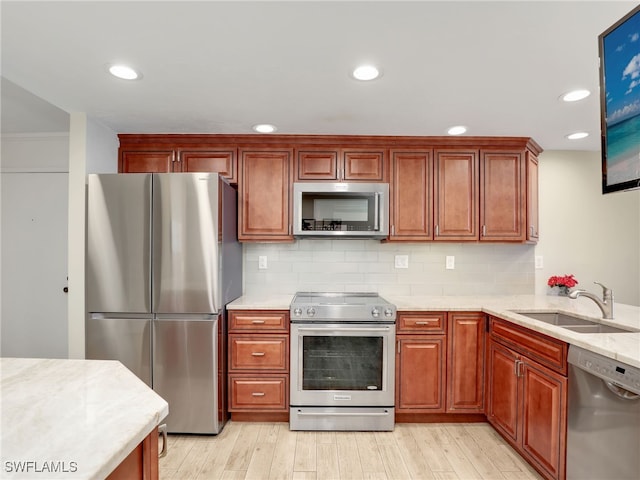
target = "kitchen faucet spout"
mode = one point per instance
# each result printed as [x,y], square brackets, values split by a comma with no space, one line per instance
[606,304]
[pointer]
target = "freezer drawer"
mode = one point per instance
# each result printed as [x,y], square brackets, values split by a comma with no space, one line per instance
[185,372]
[123,338]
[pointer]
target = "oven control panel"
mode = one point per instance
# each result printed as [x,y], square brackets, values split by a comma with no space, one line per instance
[342,308]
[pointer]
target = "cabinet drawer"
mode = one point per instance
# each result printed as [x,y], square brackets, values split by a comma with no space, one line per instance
[243,321]
[545,350]
[258,393]
[431,322]
[258,352]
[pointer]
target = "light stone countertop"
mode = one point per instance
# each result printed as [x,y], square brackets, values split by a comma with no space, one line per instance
[624,347]
[72,418]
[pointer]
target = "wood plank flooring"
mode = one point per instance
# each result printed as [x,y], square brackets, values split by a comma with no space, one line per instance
[443,451]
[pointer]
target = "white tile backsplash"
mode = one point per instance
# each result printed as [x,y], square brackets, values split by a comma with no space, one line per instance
[368,265]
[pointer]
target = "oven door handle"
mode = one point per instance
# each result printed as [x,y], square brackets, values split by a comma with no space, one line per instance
[343,414]
[345,329]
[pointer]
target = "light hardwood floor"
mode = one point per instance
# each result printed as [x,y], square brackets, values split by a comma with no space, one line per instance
[449,451]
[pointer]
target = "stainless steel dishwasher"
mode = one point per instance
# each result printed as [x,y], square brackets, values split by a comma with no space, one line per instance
[603,426]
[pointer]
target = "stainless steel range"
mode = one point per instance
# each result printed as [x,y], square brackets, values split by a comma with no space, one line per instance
[342,362]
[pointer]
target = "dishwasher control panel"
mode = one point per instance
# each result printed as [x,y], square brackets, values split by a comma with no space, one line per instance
[608,369]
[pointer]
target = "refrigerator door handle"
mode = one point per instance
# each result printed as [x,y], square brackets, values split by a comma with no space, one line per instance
[119,315]
[184,317]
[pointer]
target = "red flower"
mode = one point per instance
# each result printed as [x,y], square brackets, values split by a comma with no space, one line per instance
[566,281]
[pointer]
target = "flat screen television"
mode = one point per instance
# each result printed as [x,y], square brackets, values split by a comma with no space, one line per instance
[619,50]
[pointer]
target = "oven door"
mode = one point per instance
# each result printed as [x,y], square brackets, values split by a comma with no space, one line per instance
[342,365]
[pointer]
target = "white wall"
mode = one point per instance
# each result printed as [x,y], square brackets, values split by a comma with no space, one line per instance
[93,149]
[102,148]
[593,236]
[38,152]
[34,245]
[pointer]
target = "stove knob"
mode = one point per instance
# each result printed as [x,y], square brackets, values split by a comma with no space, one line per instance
[375,313]
[311,311]
[388,312]
[297,312]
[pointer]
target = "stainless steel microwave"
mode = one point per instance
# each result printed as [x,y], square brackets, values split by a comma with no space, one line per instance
[341,210]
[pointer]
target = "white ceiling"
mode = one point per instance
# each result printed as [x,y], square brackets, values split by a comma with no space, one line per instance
[221,67]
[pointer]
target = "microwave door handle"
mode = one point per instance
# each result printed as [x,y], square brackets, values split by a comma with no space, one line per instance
[376,219]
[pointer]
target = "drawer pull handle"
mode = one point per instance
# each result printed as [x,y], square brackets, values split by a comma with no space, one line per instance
[425,322]
[257,354]
[258,394]
[257,321]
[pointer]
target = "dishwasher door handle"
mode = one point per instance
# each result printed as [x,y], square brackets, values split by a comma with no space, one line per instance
[621,392]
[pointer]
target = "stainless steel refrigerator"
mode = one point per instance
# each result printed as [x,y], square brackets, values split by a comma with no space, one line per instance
[162,262]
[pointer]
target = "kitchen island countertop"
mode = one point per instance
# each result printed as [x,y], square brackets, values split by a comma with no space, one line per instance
[624,347]
[72,418]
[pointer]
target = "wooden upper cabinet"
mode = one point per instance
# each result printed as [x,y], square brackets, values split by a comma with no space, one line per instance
[411,192]
[146,161]
[363,165]
[264,193]
[532,224]
[455,195]
[317,164]
[221,161]
[340,164]
[502,196]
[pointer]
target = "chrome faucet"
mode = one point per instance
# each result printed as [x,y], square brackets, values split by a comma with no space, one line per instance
[606,304]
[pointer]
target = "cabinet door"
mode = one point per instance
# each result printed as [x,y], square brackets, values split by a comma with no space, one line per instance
[363,165]
[544,417]
[147,162]
[265,195]
[215,161]
[317,165]
[532,198]
[411,195]
[456,195]
[502,197]
[465,362]
[504,395]
[420,374]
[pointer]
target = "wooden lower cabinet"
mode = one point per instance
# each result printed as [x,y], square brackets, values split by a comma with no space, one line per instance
[504,399]
[255,392]
[527,404]
[421,362]
[258,360]
[420,367]
[141,463]
[465,362]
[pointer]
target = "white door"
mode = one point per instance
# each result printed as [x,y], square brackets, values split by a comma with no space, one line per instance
[34,265]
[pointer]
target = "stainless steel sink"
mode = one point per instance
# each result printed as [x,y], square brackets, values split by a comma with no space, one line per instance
[569,322]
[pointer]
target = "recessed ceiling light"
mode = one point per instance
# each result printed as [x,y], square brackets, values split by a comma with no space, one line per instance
[577,135]
[575,95]
[124,72]
[264,128]
[366,72]
[457,130]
